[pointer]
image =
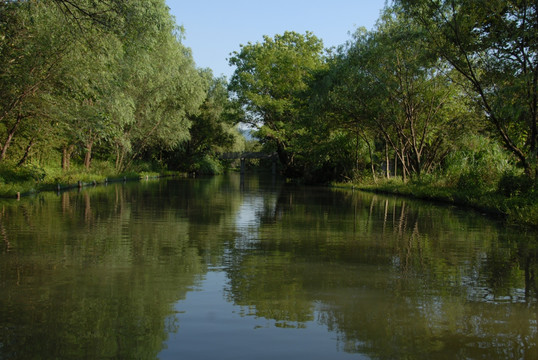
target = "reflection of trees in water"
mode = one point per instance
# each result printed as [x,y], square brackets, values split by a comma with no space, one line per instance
[94,274]
[97,273]
[392,277]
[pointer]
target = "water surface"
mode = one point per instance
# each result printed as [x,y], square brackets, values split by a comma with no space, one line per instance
[231,268]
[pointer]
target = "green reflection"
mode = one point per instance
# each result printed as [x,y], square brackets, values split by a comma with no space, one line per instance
[95,274]
[98,273]
[394,278]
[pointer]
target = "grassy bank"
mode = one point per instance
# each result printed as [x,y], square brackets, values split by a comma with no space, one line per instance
[517,203]
[18,181]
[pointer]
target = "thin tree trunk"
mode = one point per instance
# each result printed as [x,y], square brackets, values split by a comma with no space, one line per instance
[119,158]
[395,164]
[9,138]
[357,155]
[387,160]
[88,155]
[26,152]
[371,159]
[66,156]
[65,164]
[404,166]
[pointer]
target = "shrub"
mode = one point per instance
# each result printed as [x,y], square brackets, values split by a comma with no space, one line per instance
[207,166]
[478,165]
[473,181]
[512,184]
[11,173]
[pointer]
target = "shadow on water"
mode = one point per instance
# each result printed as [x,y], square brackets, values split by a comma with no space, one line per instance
[99,273]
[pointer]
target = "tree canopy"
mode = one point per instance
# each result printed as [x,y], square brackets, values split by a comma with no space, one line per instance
[493,45]
[430,80]
[112,81]
[87,79]
[269,80]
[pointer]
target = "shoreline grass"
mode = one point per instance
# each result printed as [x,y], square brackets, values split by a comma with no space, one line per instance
[16,182]
[507,200]
[520,208]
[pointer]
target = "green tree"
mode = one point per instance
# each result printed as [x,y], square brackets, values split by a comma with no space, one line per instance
[213,129]
[160,85]
[82,92]
[346,101]
[29,60]
[269,79]
[388,85]
[493,45]
[107,74]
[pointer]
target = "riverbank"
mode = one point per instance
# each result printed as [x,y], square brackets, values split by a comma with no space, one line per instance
[517,207]
[17,182]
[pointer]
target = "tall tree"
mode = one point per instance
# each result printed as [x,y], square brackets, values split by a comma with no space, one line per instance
[160,84]
[30,57]
[94,73]
[388,84]
[268,80]
[493,44]
[213,129]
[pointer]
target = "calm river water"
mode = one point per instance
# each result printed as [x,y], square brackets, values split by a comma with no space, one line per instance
[225,268]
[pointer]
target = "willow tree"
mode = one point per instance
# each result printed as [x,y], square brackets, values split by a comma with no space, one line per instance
[54,58]
[269,79]
[390,85]
[94,73]
[159,85]
[213,128]
[493,44]
[29,61]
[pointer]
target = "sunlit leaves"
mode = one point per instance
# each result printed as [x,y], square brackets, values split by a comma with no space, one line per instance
[493,45]
[269,80]
[103,73]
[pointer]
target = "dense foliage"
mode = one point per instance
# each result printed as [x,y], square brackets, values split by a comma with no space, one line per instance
[443,93]
[105,80]
[408,90]
[439,92]
[269,80]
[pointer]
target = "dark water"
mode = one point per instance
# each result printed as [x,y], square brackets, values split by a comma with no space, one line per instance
[221,268]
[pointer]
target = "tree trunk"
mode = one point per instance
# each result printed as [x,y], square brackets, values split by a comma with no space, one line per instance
[404,166]
[26,152]
[9,138]
[119,158]
[395,164]
[387,160]
[65,162]
[371,159]
[66,156]
[88,155]
[357,156]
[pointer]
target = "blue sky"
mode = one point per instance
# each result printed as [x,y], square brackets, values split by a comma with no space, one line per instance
[215,28]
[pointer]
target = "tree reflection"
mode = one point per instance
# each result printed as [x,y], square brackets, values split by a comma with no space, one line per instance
[97,272]
[394,278]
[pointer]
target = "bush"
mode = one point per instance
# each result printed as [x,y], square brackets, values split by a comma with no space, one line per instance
[11,173]
[478,165]
[207,166]
[512,184]
[472,181]
[102,167]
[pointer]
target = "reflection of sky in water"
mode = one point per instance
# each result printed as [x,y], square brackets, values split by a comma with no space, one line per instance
[247,214]
[209,327]
[247,221]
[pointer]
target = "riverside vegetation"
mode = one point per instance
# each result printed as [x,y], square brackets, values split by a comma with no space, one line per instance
[439,100]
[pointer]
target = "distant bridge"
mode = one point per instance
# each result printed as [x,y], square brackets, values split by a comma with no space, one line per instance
[244,156]
[247,155]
